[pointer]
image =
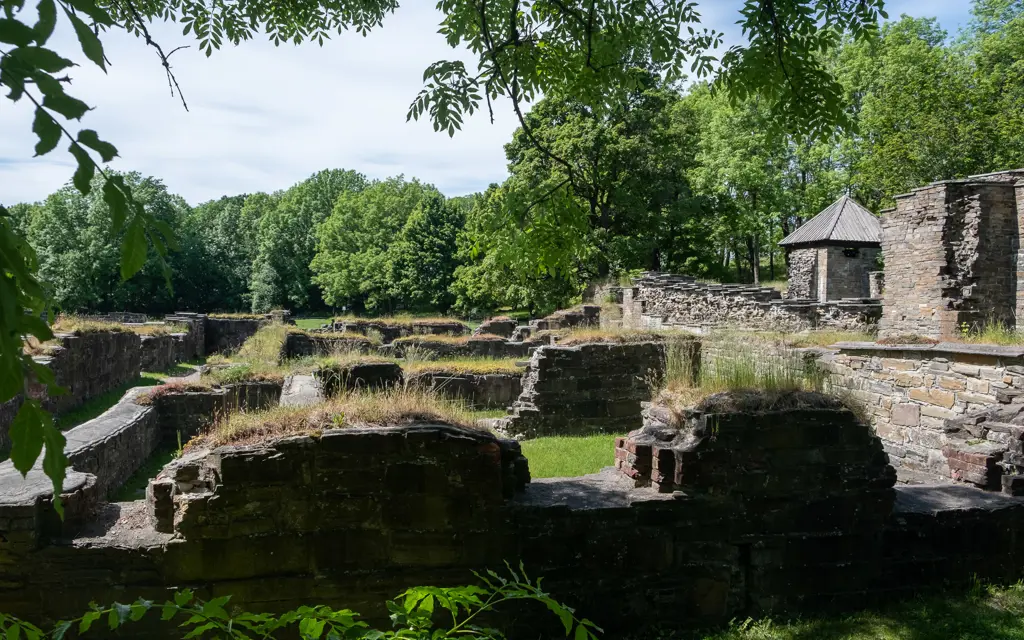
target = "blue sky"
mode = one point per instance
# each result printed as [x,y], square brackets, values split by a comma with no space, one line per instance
[262,117]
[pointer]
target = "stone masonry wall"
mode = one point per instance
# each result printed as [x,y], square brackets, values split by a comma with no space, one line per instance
[483,391]
[88,365]
[950,252]
[708,306]
[590,388]
[846,276]
[912,392]
[228,334]
[158,352]
[803,273]
[8,410]
[783,510]
[298,345]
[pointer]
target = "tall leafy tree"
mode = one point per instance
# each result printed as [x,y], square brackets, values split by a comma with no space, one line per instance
[353,266]
[286,240]
[423,260]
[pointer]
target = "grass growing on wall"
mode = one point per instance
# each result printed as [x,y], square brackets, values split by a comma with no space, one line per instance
[393,407]
[563,457]
[478,366]
[266,346]
[993,613]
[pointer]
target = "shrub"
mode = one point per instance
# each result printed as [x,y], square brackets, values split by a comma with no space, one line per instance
[412,615]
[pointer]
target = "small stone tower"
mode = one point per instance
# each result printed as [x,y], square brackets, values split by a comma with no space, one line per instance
[831,254]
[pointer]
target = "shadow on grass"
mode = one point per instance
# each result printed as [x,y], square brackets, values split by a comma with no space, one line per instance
[987,614]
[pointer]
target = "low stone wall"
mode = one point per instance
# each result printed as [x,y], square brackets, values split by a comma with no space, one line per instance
[228,334]
[664,301]
[590,388]
[158,352]
[587,315]
[482,391]
[183,415]
[474,347]
[780,509]
[911,392]
[192,345]
[358,376]
[391,331]
[88,365]
[503,327]
[298,345]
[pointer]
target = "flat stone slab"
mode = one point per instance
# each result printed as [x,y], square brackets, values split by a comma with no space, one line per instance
[121,416]
[18,491]
[994,350]
[301,391]
[933,499]
[606,489]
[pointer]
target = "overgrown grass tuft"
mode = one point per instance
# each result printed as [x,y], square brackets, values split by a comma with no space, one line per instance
[266,346]
[563,457]
[479,366]
[78,325]
[994,332]
[445,339]
[616,336]
[393,407]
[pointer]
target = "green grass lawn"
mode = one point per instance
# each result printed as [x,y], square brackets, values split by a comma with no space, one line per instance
[558,457]
[985,614]
[310,323]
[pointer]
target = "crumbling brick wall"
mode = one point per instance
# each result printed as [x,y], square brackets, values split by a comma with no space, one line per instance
[803,273]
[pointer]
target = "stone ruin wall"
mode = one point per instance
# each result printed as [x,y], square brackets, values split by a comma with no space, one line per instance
[803,273]
[589,388]
[228,334]
[775,515]
[914,396]
[480,391]
[845,276]
[951,251]
[677,302]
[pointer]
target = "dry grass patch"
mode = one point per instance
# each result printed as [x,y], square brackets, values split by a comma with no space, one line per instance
[391,408]
[266,346]
[247,373]
[907,338]
[77,325]
[163,329]
[443,339]
[172,388]
[476,366]
[826,338]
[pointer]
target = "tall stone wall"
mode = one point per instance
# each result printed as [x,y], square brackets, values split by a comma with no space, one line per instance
[299,344]
[8,410]
[803,273]
[951,254]
[590,388]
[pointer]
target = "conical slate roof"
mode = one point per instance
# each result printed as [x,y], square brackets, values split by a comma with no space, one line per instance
[843,221]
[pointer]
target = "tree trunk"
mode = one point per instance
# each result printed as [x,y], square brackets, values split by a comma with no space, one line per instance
[755,266]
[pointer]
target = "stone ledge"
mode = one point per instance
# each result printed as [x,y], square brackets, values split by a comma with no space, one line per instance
[955,348]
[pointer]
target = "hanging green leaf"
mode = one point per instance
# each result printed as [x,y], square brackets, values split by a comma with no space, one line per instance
[133,248]
[47,20]
[26,436]
[15,32]
[70,108]
[41,58]
[91,45]
[89,138]
[85,171]
[54,461]
[47,130]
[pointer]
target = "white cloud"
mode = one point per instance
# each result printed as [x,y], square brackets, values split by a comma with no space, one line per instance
[263,117]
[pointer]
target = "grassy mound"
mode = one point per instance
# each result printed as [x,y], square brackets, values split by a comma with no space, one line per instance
[395,407]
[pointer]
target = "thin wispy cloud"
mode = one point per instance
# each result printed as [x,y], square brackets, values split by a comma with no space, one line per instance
[263,117]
